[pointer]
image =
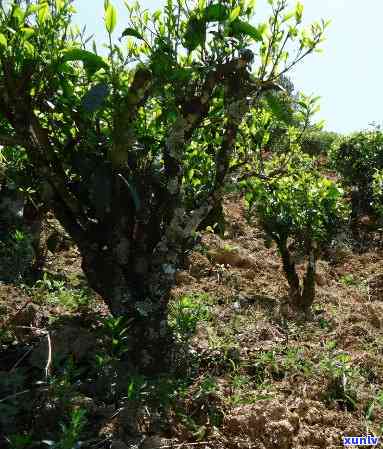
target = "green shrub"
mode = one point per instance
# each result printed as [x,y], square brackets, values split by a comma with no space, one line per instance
[187,312]
[357,158]
[55,291]
[377,188]
[343,378]
[315,141]
[302,208]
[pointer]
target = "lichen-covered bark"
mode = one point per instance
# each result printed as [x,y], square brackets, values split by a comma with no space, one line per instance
[142,302]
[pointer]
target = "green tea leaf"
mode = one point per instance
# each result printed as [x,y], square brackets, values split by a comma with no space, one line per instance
[195,34]
[131,32]
[234,13]
[288,16]
[238,27]
[43,12]
[201,4]
[298,12]
[18,14]
[29,47]
[31,9]
[250,6]
[3,40]
[87,57]
[60,5]
[110,18]
[216,13]
[157,15]
[27,32]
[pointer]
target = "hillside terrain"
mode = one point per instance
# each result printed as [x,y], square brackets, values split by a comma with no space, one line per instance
[247,372]
[188,258]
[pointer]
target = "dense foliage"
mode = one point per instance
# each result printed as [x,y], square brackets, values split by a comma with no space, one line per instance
[318,142]
[357,158]
[302,210]
[113,143]
[377,187]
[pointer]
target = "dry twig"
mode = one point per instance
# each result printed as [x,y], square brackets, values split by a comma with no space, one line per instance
[49,361]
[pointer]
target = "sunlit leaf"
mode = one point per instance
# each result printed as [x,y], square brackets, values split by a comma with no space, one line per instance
[250,6]
[43,12]
[60,5]
[157,15]
[3,40]
[29,47]
[288,16]
[234,13]
[201,4]
[18,14]
[110,18]
[298,12]
[27,32]
[31,9]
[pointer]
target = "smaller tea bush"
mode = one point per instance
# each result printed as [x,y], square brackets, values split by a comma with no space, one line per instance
[55,291]
[302,208]
[342,376]
[70,431]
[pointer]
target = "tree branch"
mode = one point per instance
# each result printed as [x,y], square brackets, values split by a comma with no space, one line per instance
[125,114]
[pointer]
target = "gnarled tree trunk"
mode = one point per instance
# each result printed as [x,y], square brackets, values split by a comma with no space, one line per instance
[130,260]
[301,296]
[142,301]
[290,272]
